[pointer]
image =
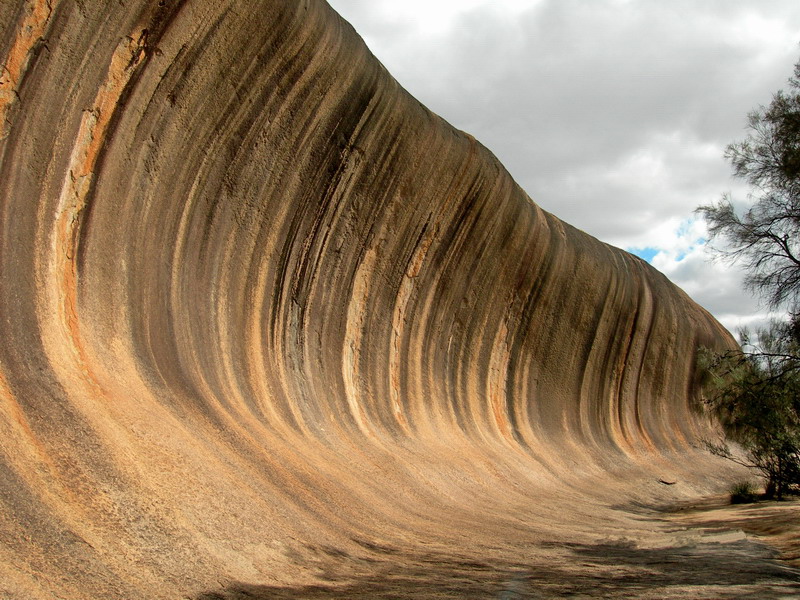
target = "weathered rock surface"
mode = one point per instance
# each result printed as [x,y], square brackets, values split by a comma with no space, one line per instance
[266,319]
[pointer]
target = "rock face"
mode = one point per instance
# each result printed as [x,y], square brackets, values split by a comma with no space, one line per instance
[263,316]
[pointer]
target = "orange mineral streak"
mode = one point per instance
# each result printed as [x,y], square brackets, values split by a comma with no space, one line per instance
[15,414]
[30,29]
[498,369]
[74,194]
[36,462]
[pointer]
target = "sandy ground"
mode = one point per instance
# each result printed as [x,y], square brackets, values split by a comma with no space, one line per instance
[713,551]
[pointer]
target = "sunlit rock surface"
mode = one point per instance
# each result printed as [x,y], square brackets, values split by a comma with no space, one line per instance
[266,319]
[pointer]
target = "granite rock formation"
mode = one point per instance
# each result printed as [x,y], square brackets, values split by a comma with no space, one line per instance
[264,315]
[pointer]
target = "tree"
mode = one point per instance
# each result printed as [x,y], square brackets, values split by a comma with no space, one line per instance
[765,237]
[755,392]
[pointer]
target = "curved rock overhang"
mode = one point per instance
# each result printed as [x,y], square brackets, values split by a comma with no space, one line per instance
[259,306]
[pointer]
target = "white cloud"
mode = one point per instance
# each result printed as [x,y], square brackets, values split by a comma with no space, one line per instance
[714,285]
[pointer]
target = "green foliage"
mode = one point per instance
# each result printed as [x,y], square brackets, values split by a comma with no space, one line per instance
[743,492]
[755,394]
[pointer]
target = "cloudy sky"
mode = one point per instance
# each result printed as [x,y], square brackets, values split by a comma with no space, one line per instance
[611,114]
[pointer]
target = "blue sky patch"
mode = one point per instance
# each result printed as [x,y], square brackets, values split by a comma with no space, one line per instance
[645,253]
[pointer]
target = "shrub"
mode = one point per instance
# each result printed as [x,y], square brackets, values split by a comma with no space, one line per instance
[743,492]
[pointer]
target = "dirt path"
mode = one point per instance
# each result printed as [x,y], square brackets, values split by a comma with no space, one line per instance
[711,551]
[774,523]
